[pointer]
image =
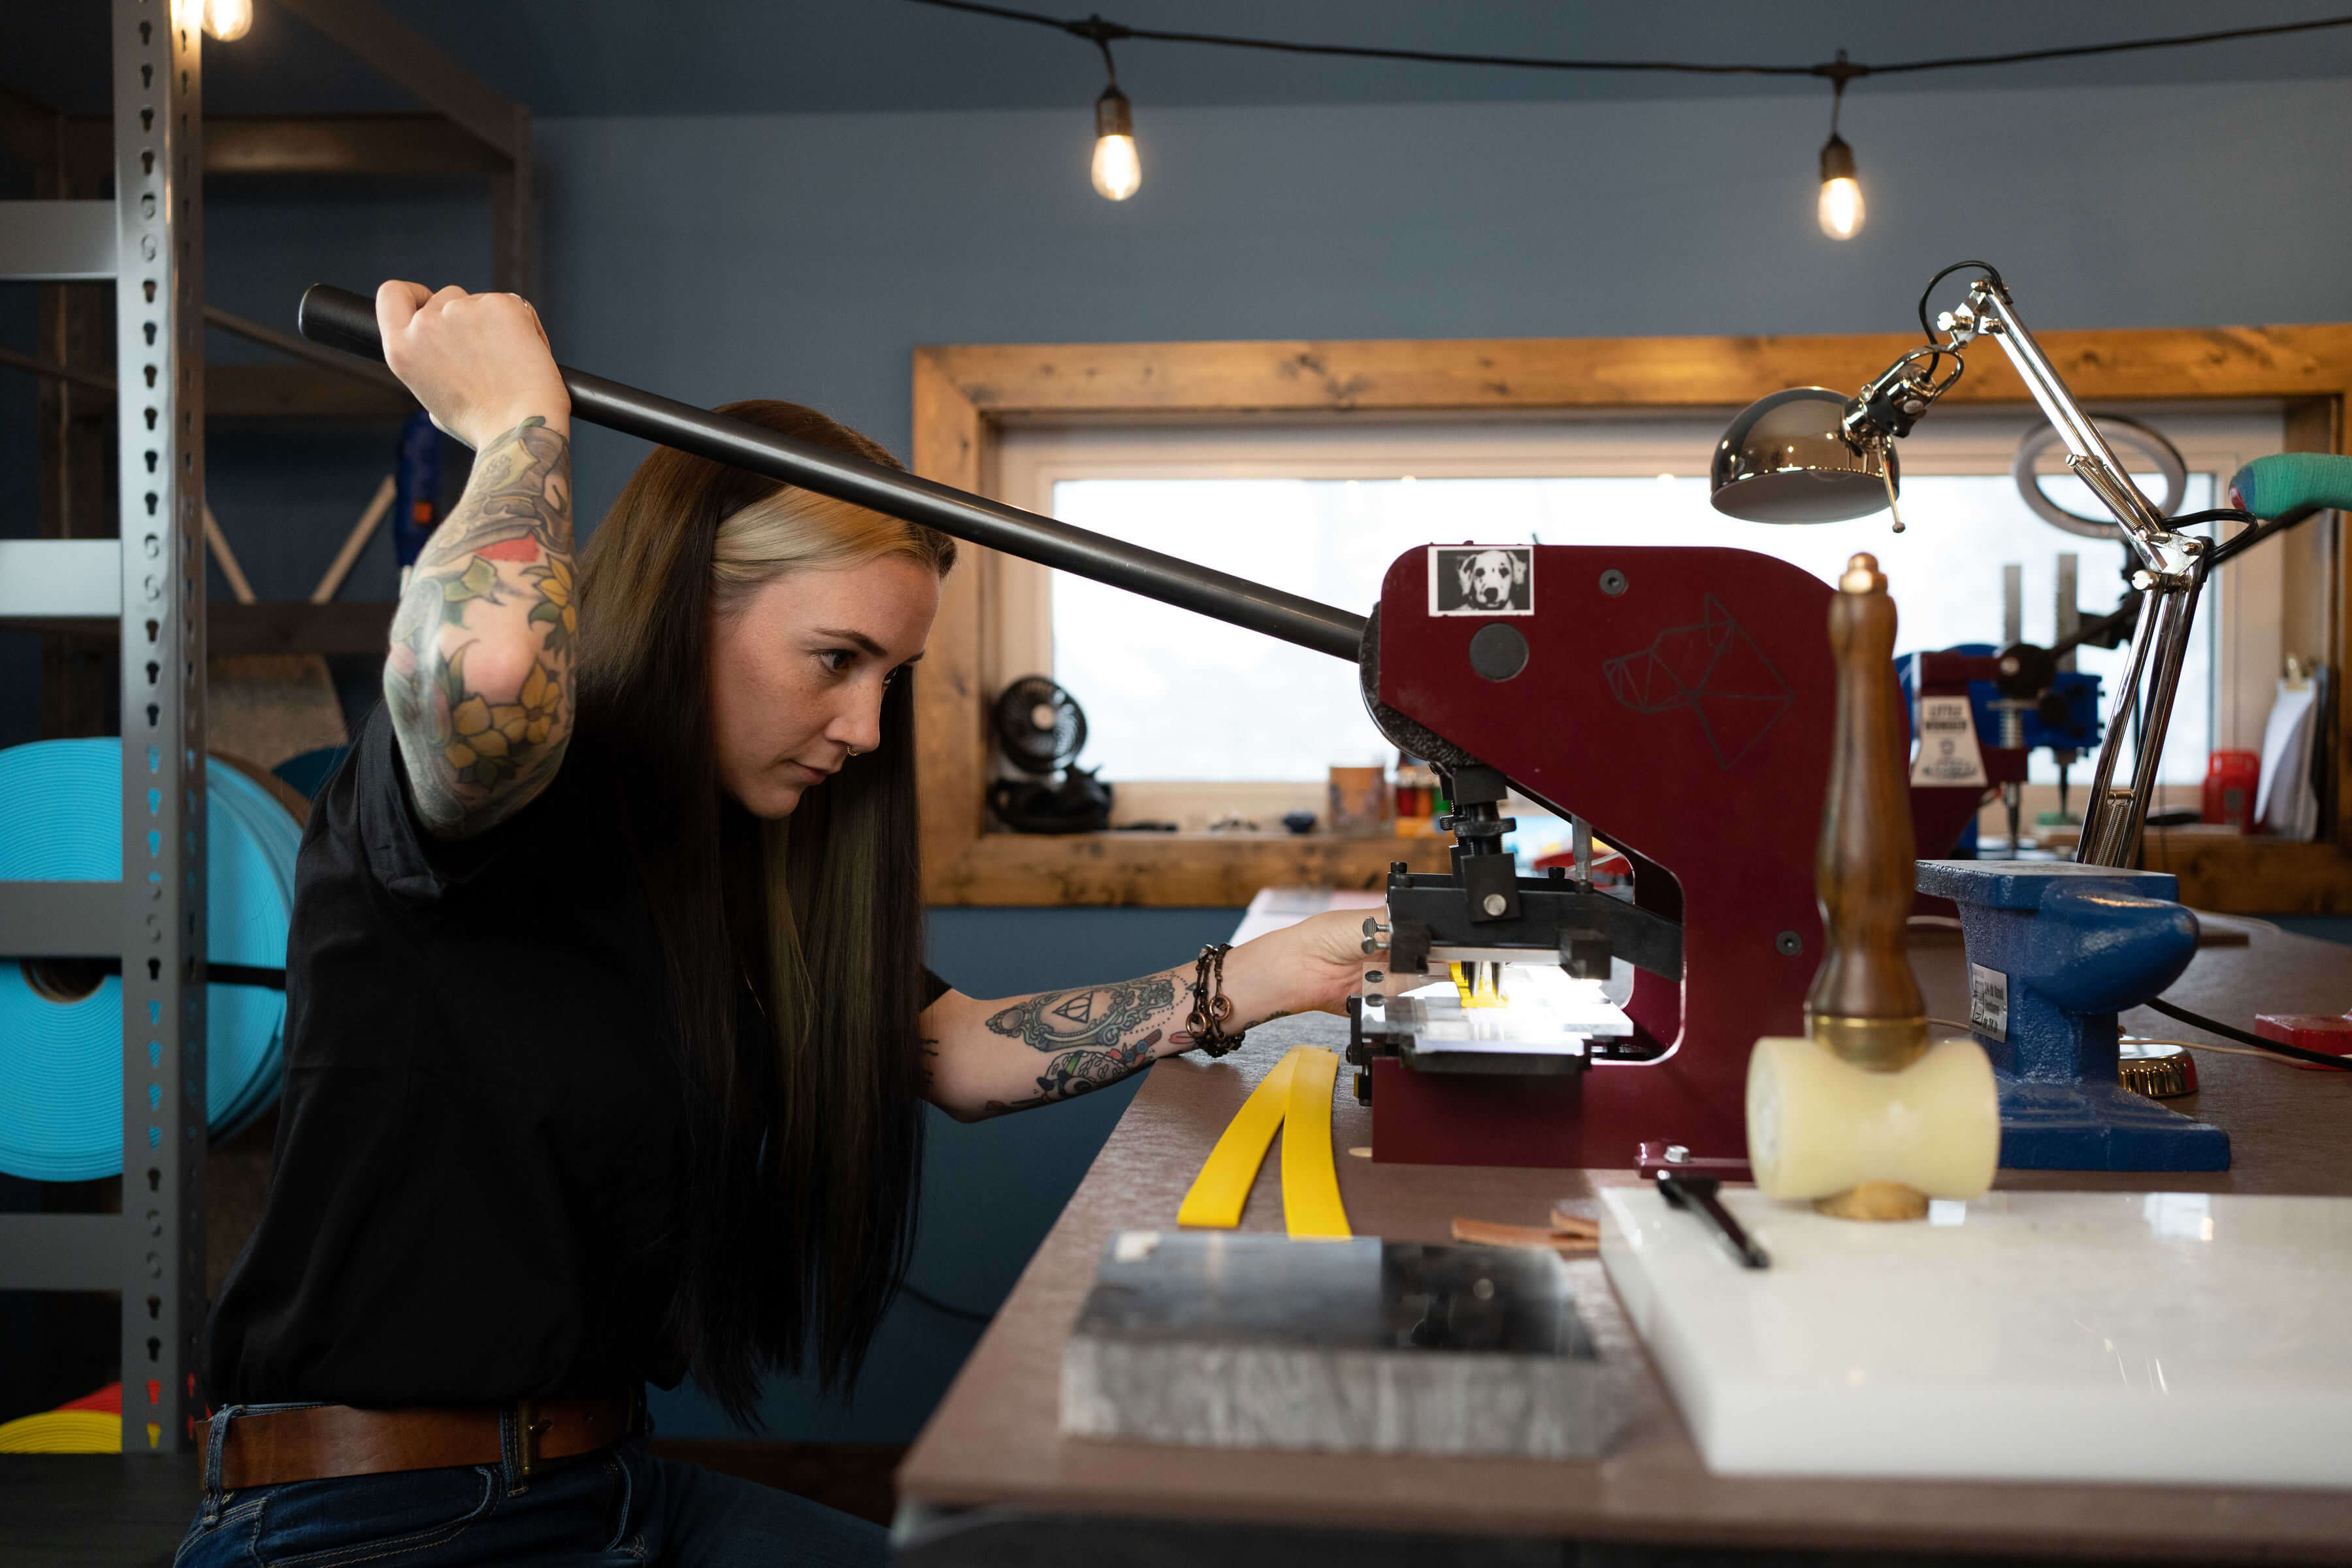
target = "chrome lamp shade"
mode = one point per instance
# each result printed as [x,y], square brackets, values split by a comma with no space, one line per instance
[1787,459]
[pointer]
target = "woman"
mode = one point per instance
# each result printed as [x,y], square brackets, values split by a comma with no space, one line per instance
[607,1026]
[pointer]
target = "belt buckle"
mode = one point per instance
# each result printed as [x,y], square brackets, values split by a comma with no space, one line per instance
[528,1428]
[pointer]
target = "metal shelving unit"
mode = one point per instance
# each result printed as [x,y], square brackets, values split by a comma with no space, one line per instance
[151,581]
[146,587]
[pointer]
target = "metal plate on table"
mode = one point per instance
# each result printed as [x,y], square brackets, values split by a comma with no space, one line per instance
[1255,1341]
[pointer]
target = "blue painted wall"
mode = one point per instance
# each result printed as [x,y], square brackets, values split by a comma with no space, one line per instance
[807,256]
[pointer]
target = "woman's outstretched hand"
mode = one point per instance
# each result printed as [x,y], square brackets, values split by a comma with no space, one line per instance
[1311,967]
[479,363]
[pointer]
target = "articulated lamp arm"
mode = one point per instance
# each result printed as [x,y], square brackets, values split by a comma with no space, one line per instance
[1807,456]
[2171,573]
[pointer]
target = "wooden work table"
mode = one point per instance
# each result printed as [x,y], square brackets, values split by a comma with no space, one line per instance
[994,1444]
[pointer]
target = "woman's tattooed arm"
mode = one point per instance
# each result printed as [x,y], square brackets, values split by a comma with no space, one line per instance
[479,678]
[1092,1038]
[980,1058]
[983,1058]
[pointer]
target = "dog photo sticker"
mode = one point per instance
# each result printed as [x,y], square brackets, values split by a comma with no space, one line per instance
[1481,580]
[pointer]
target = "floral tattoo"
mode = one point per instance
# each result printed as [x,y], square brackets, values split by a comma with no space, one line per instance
[499,569]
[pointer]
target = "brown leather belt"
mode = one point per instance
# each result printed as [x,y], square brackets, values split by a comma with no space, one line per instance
[267,1448]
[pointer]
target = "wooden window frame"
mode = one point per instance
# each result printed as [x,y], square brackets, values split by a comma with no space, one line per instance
[966,394]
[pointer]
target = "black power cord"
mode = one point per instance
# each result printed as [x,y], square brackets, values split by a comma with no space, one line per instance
[2215,1026]
[1101,31]
[945,1309]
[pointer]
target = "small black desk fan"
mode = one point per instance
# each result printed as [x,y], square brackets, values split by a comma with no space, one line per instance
[1040,728]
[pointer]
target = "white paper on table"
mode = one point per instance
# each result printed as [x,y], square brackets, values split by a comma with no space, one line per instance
[2285,800]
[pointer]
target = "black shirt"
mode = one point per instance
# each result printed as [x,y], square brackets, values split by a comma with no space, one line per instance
[480,1169]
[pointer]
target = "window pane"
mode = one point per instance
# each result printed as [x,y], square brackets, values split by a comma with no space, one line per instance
[1170,695]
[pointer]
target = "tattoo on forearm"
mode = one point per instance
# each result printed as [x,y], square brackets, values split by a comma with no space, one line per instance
[499,567]
[1097,1018]
[1094,1036]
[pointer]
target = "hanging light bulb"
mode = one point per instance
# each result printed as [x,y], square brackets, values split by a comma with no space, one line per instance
[1117,172]
[1841,210]
[228,20]
[1841,205]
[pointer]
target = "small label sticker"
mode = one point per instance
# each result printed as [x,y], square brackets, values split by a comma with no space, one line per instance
[1481,580]
[1988,1002]
[1947,751]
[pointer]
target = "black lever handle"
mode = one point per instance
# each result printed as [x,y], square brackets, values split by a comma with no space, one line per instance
[341,318]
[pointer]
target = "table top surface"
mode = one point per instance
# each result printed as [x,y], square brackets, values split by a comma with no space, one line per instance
[995,1440]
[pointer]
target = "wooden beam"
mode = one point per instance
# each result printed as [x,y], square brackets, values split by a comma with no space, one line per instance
[951,707]
[2230,873]
[272,625]
[2311,618]
[512,252]
[369,371]
[1167,868]
[91,379]
[1516,374]
[404,56]
[345,144]
[32,133]
[278,391]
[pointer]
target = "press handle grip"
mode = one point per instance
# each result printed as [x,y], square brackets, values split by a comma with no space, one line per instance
[1865,1003]
[340,319]
[2292,486]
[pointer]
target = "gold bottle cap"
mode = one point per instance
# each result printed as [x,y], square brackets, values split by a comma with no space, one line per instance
[2158,1072]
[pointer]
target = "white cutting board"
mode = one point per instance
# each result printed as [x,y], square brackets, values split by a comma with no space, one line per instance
[2024,1336]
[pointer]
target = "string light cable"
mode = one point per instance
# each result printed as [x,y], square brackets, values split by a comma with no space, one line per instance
[1094,26]
[2179,1015]
[1840,207]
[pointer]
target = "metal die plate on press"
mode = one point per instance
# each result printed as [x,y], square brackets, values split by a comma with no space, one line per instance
[2034,1336]
[1251,1340]
[1546,1028]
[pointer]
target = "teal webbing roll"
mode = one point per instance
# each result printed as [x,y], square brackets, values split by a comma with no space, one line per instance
[61,1062]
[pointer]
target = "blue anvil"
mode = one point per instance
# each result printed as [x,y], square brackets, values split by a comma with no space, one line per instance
[2055,951]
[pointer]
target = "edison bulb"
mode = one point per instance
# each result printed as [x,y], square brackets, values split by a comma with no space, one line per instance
[1118,171]
[228,20]
[1841,209]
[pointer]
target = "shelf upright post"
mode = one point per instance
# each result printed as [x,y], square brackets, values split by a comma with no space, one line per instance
[159,354]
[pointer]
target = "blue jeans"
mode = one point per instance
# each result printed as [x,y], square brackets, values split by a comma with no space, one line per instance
[619,1506]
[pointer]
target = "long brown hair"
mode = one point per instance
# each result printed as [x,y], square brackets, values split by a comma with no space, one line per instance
[805,1140]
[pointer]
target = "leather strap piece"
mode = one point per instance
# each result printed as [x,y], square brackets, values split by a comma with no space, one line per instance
[270,1447]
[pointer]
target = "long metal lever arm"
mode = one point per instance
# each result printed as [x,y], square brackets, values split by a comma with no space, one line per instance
[346,320]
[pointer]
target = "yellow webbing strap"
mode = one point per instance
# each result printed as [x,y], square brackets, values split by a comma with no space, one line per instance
[1310,1185]
[1224,1184]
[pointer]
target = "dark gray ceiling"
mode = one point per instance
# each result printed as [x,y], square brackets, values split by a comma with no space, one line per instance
[711,57]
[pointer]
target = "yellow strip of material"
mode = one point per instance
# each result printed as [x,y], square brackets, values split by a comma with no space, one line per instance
[1310,1186]
[1225,1182]
[63,1432]
[1476,983]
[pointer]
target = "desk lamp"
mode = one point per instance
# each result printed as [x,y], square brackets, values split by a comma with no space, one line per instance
[1808,454]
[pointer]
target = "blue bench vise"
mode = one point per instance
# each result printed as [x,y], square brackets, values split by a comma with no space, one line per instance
[2055,951]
